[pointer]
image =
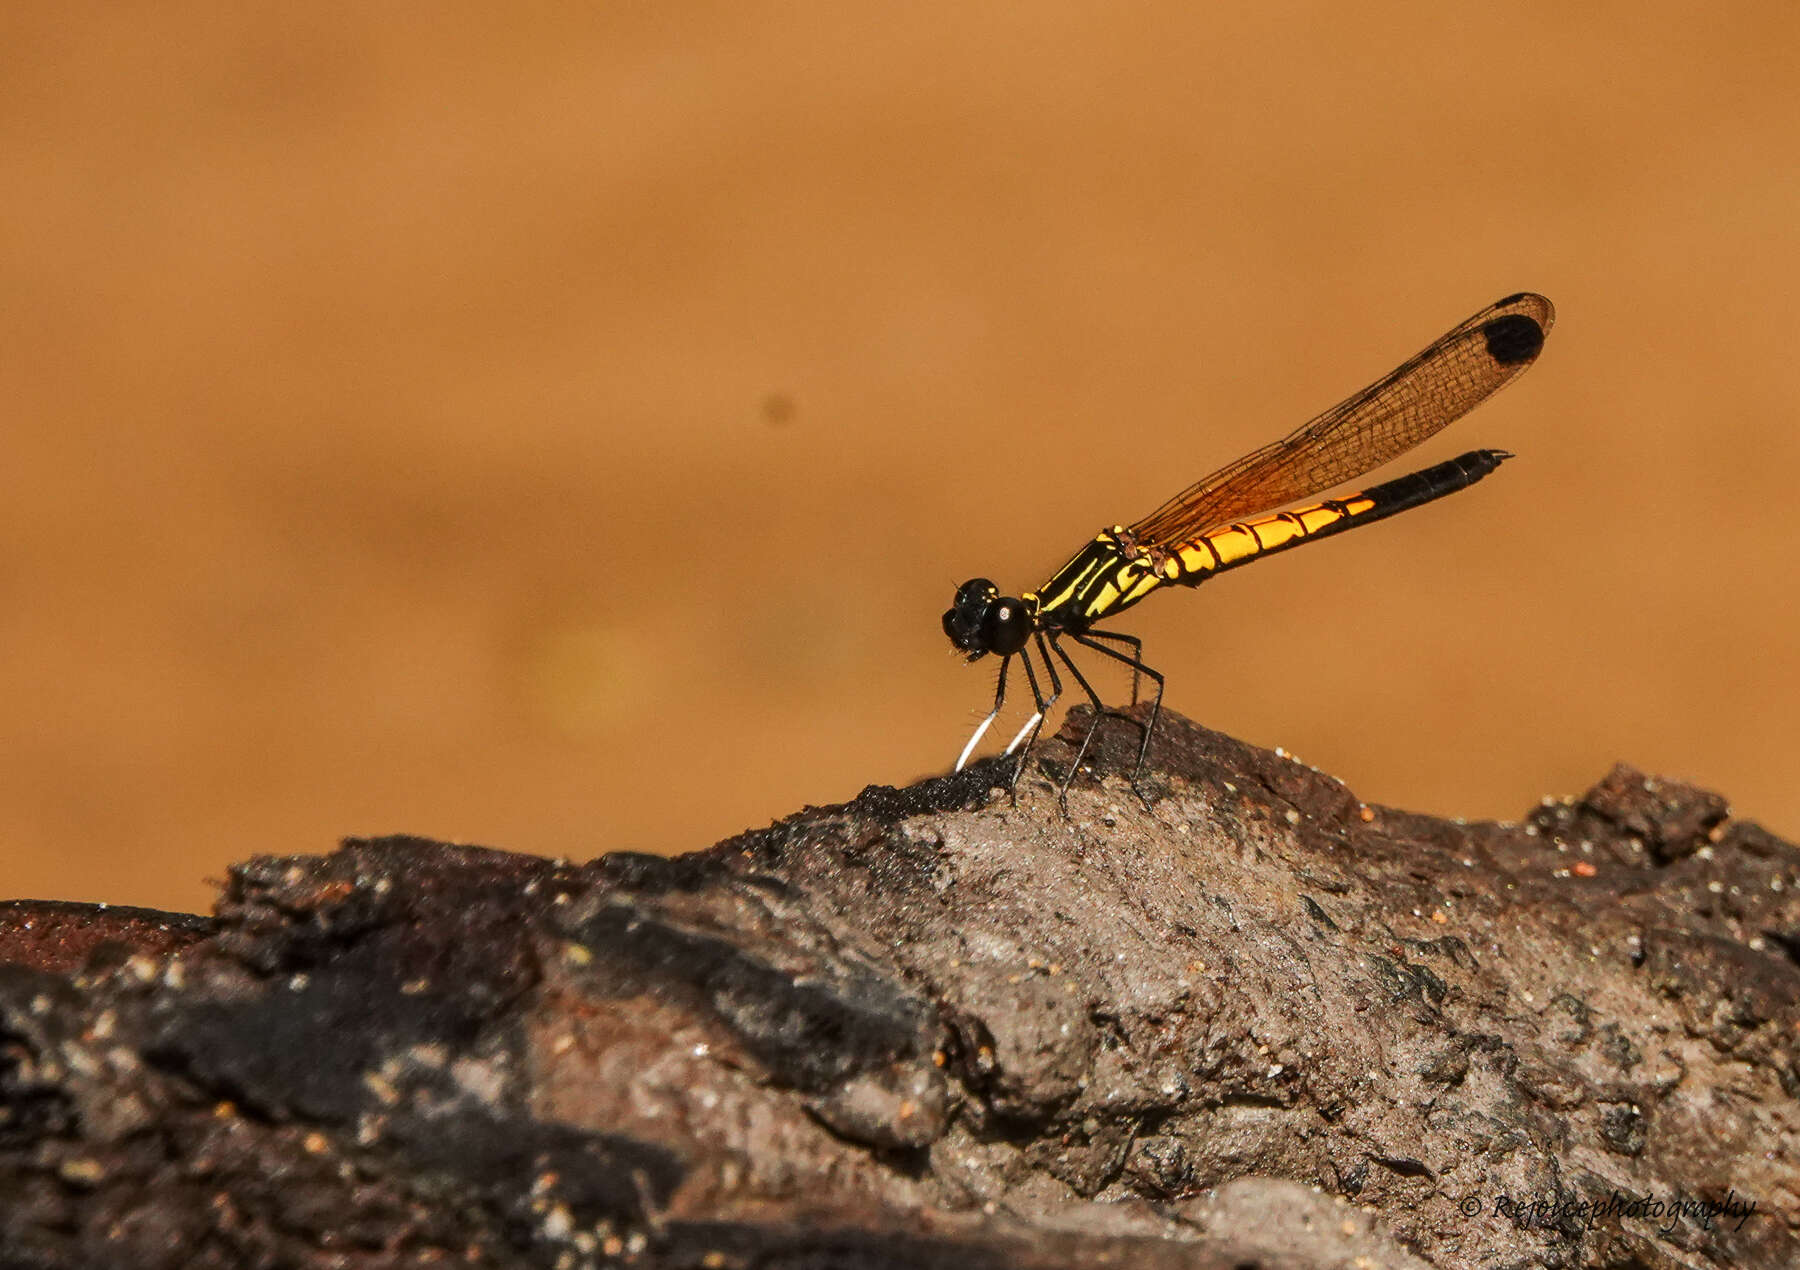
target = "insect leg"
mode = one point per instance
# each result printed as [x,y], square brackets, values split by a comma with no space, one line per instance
[1100,712]
[1137,652]
[1136,662]
[1055,679]
[962,759]
[1029,733]
[1034,725]
[1037,695]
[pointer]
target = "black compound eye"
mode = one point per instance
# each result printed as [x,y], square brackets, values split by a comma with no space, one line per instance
[965,620]
[975,591]
[1006,626]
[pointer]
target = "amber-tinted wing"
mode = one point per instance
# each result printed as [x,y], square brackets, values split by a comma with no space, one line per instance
[1383,421]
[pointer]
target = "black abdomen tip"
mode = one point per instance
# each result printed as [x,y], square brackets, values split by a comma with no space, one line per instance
[1513,339]
[1478,463]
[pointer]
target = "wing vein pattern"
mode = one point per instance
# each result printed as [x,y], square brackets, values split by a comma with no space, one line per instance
[1455,374]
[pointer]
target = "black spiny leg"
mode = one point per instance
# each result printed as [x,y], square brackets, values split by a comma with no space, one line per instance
[1136,662]
[1055,679]
[1034,725]
[1100,713]
[962,760]
[1029,733]
[1137,654]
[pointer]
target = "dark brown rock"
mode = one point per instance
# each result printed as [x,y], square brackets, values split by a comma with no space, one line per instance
[60,936]
[1253,1023]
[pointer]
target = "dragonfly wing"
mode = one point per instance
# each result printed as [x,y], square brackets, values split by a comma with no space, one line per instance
[1455,374]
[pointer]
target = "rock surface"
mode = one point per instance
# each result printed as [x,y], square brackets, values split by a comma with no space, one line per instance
[1254,1023]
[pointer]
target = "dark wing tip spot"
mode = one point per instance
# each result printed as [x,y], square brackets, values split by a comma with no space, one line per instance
[1513,339]
[1512,299]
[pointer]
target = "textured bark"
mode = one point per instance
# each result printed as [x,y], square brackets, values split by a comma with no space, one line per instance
[1252,1023]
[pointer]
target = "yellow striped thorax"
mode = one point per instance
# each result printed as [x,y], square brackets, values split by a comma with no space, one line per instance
[1107,576]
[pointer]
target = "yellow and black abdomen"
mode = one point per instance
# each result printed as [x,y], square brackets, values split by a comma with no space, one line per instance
[1239,543]
[1115,571]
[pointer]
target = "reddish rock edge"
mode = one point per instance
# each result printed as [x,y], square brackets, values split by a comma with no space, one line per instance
[1256,1024]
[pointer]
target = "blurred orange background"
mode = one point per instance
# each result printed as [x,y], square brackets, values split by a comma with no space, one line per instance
[561,428]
